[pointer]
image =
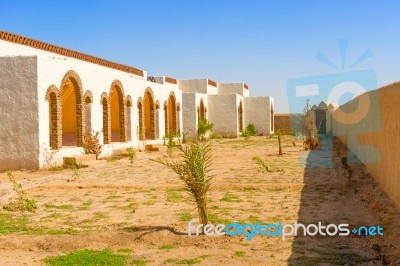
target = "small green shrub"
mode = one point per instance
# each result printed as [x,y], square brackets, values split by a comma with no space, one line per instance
[204,127]
[21,203]
[184,139]
[249,131]
[170,143]
[131,154]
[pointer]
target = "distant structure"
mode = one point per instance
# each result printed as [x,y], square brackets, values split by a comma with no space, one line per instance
[52,97]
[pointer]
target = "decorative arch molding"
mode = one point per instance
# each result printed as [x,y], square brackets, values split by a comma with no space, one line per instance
[201,110]
[129,105]
[150,93]
[151,132]
[73,77]
[171,122]
[117,85]
[52,89]
[240,115]
[103,97]
[55,124]
[172,94]
[140,106]
[105,102]
[140,102]
[129,101]
[272,118]
[157,118]
[166,117]
[178,118]
[88,96]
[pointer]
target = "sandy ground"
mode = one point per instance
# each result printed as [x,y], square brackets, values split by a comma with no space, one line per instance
[142,207]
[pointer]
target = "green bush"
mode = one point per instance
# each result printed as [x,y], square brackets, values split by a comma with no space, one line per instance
[131,153]
[204,127]
[249,131]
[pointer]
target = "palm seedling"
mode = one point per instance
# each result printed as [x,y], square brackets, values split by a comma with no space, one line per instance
[193,170]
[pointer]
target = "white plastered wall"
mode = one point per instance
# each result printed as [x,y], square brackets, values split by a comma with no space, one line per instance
[19,126]
[197,85]
[235,88]
[51,69]
[223,112]
[257,110]
[190,116]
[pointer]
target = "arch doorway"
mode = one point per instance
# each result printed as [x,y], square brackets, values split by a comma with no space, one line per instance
[72,110]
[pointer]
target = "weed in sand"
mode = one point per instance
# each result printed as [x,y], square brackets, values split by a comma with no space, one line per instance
[185,217]
[58,207]
[240,253]
[230,197]
[174,195]
[139,262]
[166,247]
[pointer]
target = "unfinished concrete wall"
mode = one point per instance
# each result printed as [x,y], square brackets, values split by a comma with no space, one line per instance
[223,112]
[19,118]
[257,110]
[375,138]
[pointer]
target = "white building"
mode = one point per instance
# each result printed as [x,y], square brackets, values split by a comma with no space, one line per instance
[52,96]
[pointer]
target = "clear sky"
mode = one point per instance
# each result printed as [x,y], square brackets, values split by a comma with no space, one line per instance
[261,43]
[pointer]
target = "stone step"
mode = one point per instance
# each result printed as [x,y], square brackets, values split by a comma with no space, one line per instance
[84,158]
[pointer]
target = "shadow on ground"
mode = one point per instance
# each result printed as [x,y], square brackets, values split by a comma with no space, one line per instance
[339,193]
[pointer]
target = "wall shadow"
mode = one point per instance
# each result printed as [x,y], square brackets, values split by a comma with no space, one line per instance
[336,192]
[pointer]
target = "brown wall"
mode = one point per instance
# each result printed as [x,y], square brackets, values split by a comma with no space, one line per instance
[288,123]
[376,139]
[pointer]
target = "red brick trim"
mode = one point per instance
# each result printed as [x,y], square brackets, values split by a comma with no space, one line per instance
[212,83]
[171,80]
[10,37]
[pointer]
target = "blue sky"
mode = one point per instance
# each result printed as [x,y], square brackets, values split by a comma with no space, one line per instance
[261,43]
